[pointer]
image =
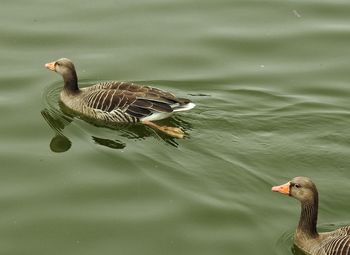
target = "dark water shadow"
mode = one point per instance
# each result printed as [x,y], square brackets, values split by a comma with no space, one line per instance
[297,251]
[57,122]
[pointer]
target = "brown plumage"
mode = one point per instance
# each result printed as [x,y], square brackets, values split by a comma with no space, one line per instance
[306,237]
[118,102]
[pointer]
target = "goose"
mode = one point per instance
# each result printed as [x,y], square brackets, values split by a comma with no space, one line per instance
[114,102]
[306,237]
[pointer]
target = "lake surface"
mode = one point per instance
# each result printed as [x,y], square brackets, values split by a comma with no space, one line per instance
[271,83]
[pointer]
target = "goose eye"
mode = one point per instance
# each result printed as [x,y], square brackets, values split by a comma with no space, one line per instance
[297,185]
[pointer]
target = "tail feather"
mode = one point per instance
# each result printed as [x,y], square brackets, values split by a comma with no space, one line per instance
[184,107]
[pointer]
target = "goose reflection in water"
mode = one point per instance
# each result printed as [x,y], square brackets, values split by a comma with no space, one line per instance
[61,143]
[57,122]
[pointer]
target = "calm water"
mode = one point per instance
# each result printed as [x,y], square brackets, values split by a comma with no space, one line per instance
[271,82]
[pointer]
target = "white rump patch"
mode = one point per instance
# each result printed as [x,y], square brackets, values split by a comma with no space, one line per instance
[185,107]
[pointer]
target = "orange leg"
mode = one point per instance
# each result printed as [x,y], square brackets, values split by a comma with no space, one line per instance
[172,131]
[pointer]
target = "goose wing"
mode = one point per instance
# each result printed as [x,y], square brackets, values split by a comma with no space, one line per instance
[136,100]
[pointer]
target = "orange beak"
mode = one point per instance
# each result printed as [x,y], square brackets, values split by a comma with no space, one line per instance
[284,189]
[51,66]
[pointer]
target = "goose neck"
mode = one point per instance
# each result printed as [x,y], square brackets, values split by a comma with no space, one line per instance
[308,218]
[71,82]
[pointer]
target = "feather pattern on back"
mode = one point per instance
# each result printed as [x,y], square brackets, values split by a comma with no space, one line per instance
[334,243]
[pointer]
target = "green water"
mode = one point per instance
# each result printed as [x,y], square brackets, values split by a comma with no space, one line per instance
[271,84]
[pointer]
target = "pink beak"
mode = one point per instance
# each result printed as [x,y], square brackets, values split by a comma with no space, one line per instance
[50,66]
[284,189]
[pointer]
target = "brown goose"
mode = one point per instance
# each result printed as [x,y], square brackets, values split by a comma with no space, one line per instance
[118,102]
[306,237]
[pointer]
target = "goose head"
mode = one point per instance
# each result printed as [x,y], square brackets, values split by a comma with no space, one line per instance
[301,188]
[66,69]
[61,66]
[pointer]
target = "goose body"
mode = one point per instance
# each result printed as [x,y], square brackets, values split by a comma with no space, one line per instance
[122,102]
[118,102]
[306,237]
